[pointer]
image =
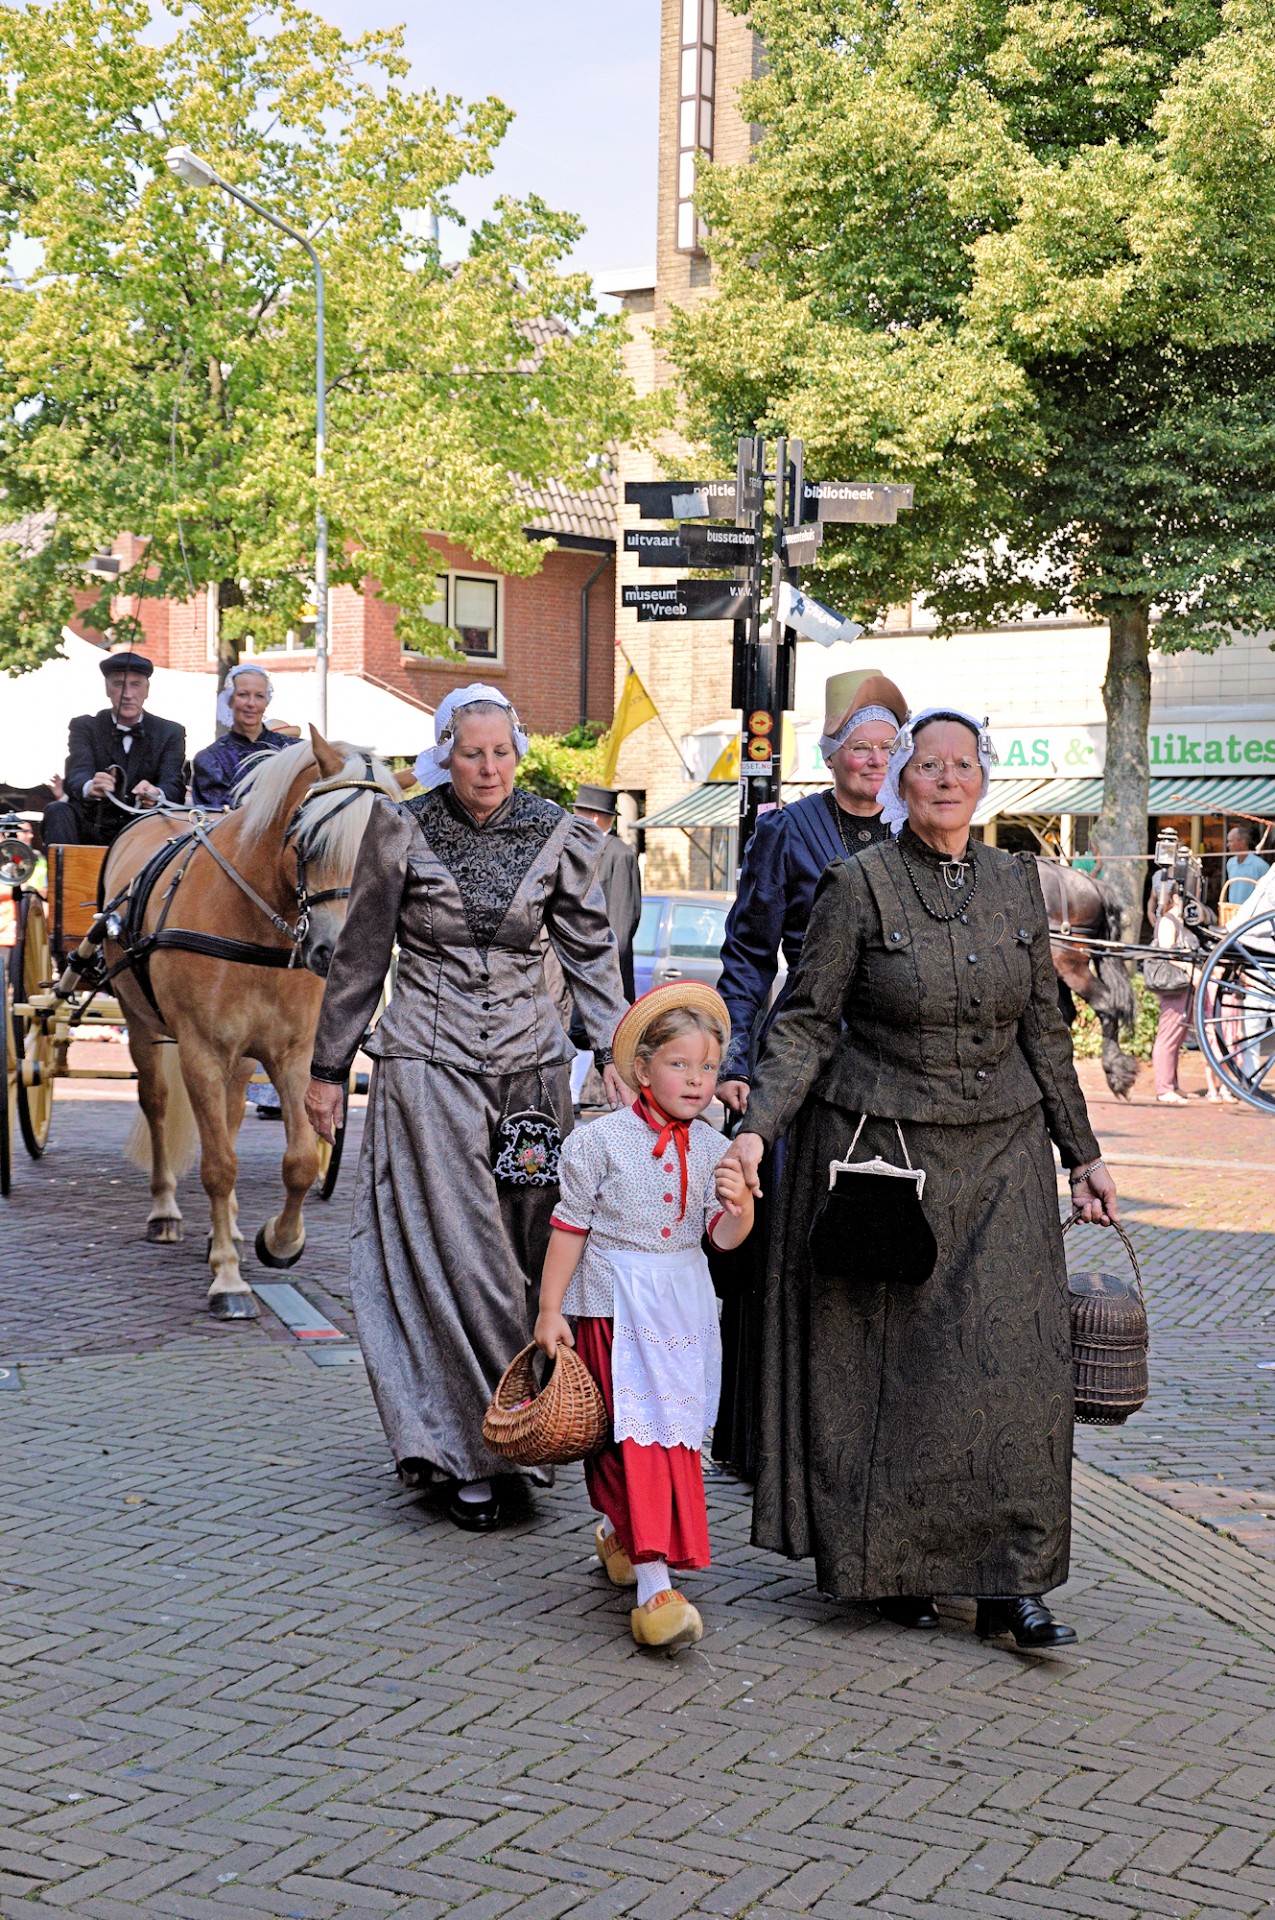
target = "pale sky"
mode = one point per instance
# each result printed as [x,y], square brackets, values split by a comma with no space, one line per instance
[583,79]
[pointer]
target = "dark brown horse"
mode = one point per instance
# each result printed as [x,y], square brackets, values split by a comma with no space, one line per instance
[1081,904]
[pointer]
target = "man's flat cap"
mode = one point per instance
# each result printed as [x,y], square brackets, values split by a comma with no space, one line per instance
[127,663]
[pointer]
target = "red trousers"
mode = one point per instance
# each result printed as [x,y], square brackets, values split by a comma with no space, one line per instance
[653,1496]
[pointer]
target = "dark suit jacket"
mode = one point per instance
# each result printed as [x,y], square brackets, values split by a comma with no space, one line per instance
[158,754]
[621,883]
[782,866]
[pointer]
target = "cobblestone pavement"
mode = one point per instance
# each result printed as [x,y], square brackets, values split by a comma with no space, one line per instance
[241,1672]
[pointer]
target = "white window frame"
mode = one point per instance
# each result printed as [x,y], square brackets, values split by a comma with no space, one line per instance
[451,575]
[696,113]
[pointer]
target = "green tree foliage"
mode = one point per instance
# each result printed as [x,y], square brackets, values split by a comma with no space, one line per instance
[157,371]
[555,764]
[1022,253]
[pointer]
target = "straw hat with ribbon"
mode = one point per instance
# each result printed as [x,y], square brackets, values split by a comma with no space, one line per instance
[691,994]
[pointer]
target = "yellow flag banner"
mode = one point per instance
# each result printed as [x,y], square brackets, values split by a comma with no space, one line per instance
[726,765]
[634,708]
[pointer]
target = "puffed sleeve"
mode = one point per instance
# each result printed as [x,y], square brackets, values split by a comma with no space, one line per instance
[580,934]
[366,942]
[580,1177]
[754,929]
[804,1036]
[1045,1040]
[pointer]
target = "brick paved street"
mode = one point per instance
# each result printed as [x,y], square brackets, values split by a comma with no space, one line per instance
[242,1673]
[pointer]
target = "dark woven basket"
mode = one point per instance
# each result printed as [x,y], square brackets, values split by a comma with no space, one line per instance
[1109,1341]
[547,1426]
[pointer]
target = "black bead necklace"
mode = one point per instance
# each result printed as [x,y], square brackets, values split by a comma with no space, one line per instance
[961,908]
[850,851]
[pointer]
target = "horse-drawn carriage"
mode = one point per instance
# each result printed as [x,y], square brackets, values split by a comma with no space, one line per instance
[1235,999]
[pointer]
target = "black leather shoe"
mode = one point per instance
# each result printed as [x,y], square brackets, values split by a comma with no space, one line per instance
[908,1610]
[1026,1620]
[474,1516]
[413,1474]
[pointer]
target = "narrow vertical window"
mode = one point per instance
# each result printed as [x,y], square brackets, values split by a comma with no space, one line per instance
[695,114]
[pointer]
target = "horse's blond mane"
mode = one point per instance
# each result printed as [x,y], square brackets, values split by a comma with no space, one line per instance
[330,825]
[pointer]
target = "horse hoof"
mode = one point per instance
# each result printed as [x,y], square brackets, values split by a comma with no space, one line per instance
[269,1259]
[165,1233]
[232,1306]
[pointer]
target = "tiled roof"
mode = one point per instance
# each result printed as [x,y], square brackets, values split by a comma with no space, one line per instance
[553,508]
[30,534]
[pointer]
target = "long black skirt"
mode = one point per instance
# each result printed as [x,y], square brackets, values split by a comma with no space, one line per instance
[918,1440]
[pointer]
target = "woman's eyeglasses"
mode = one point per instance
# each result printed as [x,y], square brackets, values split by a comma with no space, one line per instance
[861,750]
[964,769]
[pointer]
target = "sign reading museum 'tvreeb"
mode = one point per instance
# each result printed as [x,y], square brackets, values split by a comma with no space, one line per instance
[689,600]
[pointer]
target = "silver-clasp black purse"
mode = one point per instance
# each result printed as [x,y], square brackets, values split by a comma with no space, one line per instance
[871,1225]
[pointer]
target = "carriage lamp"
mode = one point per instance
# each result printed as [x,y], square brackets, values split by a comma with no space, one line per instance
[187,165]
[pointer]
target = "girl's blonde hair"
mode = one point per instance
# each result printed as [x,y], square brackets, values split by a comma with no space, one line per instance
[671,1025]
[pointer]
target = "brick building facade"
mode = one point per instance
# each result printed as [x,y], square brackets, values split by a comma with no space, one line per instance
[549,646]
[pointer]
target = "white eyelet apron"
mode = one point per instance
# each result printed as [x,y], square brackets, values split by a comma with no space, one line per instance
[666,1353]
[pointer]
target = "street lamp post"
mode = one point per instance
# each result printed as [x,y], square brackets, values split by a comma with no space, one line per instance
[188,166]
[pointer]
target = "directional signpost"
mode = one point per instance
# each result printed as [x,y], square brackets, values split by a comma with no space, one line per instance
[763,664]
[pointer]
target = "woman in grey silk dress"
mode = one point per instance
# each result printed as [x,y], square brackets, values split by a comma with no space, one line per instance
[917,1440]
[470,879]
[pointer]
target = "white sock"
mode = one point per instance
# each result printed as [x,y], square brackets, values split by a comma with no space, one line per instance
[652,1578]
[607,1528]
[474,1492]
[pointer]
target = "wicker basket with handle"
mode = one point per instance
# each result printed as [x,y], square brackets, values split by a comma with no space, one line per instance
[547,1426]
[1109,1341]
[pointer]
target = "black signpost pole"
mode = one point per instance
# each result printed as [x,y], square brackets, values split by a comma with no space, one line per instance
[763,669]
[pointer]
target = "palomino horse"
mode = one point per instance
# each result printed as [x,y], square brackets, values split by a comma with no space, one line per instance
[1078,903]
[270,878]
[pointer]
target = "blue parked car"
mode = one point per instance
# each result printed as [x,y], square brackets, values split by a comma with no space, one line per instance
[679,937]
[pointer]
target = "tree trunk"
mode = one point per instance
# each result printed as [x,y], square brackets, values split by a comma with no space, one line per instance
[1121,827]
[228,595]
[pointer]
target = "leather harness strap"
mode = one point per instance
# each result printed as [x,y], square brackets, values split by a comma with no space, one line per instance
[139,945]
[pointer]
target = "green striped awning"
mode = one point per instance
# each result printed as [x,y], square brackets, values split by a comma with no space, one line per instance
[1007,796]
[1221,794]
[715,804]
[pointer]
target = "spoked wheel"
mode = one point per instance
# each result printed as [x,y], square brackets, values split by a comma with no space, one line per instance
[9,1101]
[1235,1012]
[30,969]
[330,1156]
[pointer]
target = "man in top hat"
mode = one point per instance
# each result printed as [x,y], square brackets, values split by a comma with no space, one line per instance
[122,752]
[621,883]
[782,865]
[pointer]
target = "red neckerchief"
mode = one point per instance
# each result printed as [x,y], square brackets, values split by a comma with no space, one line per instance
[676,1131]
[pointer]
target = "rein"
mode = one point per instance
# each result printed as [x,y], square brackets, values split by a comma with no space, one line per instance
[218,946]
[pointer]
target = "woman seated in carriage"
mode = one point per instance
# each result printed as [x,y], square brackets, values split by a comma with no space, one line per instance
[241,708]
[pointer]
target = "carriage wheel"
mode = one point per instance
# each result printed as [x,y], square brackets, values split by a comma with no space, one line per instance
[9,1100]
[330,1156]
[30,969]
[1235,1012]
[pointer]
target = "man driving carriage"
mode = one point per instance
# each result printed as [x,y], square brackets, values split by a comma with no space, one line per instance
[122,753]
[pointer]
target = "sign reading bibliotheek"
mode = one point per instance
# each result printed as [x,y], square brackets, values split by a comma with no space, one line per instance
[865,502]
[688,600]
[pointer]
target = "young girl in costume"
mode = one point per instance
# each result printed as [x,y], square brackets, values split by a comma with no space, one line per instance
[639,1189]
